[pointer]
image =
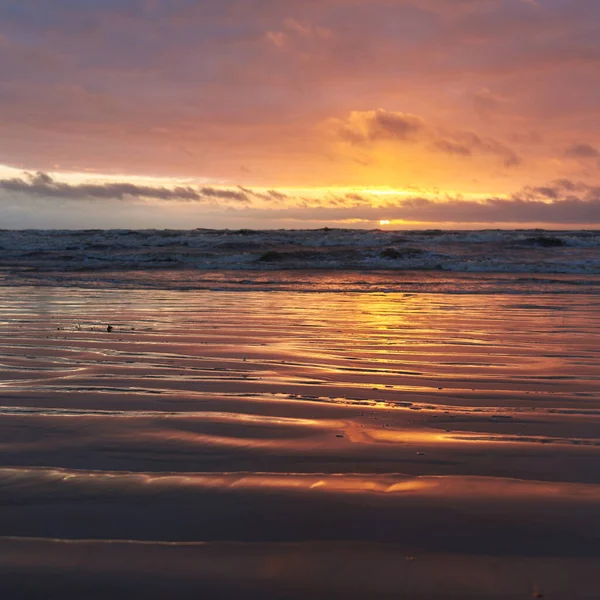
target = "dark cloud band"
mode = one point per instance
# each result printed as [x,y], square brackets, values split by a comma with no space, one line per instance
[42,185]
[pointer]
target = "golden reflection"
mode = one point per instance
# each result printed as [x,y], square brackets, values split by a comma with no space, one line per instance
[338,380]
[347,483]
[399,436]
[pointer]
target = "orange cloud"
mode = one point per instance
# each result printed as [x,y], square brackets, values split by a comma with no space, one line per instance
[362,127]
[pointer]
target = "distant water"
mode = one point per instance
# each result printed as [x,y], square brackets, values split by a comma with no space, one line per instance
[304,260]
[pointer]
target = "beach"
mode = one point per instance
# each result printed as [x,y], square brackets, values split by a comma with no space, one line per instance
[300,300]
[279,443]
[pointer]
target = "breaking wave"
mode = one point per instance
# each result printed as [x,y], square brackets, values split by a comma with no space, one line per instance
[191,258]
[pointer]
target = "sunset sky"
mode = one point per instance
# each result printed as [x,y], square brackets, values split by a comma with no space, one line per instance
[299,113]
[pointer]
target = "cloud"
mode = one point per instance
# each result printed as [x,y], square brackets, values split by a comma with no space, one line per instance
[486,103]
[364,127]
[490,146]
[560,203]
[296,34]
[582,151]
[43,185]
[194,88]
[25,202]
[369,126]
[449,147]
[222,194]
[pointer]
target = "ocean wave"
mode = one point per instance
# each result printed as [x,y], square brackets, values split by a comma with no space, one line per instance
[488,251]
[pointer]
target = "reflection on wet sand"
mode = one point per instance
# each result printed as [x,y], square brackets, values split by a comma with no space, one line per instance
[256,432]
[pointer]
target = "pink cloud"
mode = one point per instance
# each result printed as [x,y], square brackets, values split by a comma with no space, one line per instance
[236,90]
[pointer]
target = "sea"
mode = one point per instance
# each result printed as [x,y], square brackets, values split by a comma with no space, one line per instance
[304,260]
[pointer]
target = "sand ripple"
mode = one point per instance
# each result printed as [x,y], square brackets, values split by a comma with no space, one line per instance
[442,425]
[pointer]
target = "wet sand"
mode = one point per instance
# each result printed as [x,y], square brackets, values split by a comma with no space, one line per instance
[297,445]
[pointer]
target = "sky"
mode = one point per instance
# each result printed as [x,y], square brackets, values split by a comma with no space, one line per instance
[299,113]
